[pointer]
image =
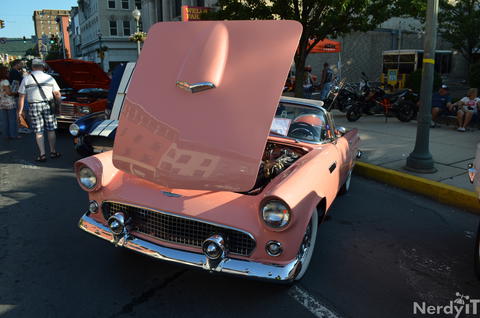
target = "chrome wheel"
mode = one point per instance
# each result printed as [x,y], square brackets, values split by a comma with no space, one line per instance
[346,186]
[308,244]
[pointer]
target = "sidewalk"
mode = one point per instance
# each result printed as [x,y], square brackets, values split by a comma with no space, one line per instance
[388,144]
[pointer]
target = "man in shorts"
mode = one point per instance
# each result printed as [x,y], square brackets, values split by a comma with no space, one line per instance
[40,113]
[441,104]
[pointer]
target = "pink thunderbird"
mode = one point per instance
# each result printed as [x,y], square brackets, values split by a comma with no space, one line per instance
[211,167]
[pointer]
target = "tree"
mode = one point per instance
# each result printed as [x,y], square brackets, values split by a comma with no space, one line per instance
[459,24]
[55,52]
[32,51]
[320,18]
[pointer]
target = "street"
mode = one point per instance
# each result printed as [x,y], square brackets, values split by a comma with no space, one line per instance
[380,250]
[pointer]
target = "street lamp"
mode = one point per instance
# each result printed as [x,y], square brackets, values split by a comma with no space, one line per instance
[136,14]
[420,160]
[100,50]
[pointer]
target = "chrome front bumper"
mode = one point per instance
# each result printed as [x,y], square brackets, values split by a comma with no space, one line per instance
[272,272]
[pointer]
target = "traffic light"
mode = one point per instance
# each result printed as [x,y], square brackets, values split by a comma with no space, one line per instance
[52,39]
[24,39]
[2,24]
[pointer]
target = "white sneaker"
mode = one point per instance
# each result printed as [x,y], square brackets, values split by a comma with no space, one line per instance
[461,129]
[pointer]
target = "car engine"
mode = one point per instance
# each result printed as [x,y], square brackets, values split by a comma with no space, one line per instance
[276,158]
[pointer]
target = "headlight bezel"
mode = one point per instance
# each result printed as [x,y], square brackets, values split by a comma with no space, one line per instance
[87,170]
[84,110]
[72,127]
[285,223]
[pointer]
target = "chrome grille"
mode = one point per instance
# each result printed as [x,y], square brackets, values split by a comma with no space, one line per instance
[67,110]
[179,230]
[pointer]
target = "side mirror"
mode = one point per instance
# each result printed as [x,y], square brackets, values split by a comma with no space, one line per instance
[342,130]
[471,172]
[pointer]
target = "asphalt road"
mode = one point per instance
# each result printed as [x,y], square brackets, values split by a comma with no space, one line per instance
[380,250]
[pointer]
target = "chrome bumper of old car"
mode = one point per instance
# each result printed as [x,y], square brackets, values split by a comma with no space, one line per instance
[285,273]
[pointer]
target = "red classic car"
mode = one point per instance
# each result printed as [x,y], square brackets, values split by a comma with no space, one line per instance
[84,87]
[211,167]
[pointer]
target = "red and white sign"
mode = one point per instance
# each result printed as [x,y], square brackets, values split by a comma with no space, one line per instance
[193,13]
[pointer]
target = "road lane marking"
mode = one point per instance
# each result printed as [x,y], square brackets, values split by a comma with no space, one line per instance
[311,304]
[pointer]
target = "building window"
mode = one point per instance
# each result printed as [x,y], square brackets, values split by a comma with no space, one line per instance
[113,28]
[125,4]
[126,27]
[138,4]
[111,4]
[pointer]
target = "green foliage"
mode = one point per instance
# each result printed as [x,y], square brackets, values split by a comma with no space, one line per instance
[54,53]
[32,51]
[414,81]
[319,18]
[475,75]
[459,24]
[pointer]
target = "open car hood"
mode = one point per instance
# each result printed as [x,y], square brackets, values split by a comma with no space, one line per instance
[79,74]
[201,101]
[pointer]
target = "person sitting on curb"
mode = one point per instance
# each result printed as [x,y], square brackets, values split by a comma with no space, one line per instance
[468,108]
[441,104]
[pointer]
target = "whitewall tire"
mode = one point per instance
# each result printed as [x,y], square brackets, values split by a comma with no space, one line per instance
[307,246]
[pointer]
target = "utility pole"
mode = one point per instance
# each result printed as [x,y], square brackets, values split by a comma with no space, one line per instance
[420,160]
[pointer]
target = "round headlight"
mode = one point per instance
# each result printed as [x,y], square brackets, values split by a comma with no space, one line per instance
[87,178]
[276,214]
[74,129]
[84,110]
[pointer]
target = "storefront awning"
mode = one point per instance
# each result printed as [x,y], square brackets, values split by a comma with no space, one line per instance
[326,46]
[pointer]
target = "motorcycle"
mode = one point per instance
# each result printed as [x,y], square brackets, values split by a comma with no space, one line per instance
[374,100]
[341,96]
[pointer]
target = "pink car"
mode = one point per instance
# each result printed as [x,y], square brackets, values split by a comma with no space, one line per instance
[211,167]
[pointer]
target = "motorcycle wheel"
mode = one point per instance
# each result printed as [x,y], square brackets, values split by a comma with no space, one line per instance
[406,111]
[354,113]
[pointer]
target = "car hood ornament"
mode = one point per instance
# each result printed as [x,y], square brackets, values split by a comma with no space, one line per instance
[195,88]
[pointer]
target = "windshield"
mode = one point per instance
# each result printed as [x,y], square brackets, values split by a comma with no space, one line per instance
[300,122]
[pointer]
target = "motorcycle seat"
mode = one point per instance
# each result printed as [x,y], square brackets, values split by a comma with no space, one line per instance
[401,92]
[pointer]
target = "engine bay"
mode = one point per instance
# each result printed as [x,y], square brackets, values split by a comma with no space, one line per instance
[276,158]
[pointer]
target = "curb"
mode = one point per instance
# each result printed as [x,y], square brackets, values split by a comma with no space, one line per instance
[438,191]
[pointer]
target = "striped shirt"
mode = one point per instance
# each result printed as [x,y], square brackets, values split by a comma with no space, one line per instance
[29,87]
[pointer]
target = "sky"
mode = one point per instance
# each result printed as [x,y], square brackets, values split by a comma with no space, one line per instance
[17,15]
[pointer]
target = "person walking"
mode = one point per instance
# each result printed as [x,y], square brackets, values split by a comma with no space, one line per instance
[326,81]
[8,106]
[15,77]
[307,83]
[39,89]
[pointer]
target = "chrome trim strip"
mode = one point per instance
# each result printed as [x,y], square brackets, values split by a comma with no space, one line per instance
[271,272]
[195,87]
[186,218]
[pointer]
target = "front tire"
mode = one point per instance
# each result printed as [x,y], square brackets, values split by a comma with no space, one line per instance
[307,246]
[346,186]
[477,254]
[406,111]
[354,113]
